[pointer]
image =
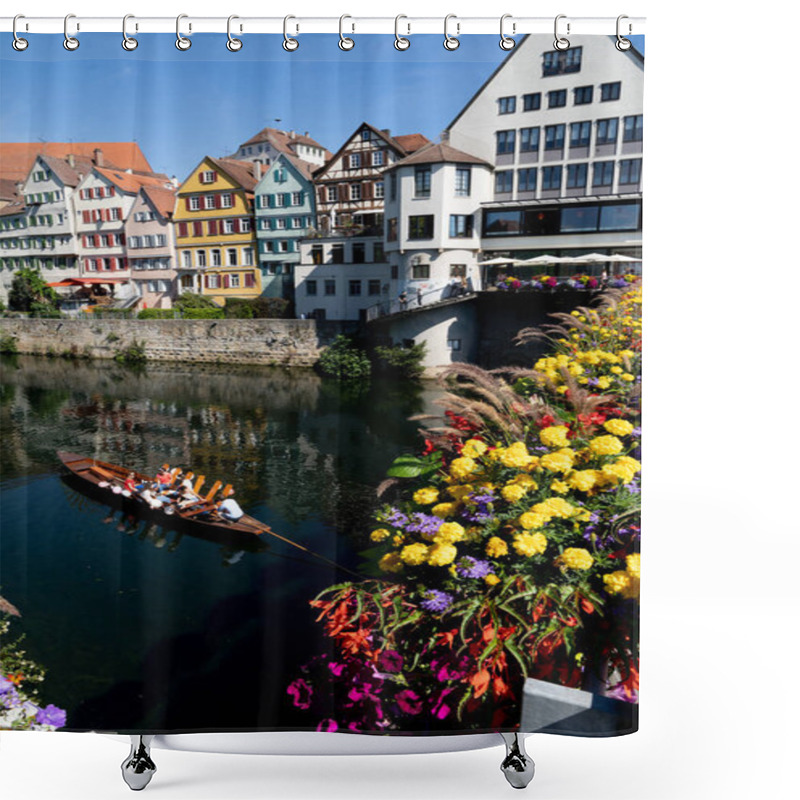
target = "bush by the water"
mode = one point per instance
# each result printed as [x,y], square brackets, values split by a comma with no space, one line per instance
[344,361]
[397,361]
[29,292]
[258,308]
[133,354]
[8,344]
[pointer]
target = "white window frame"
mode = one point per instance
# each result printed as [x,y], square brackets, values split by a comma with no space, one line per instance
[227,200]
[194,203]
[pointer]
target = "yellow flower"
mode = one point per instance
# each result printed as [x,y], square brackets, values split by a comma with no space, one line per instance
[576,558]
[414,554]
[513,492]
[633,563]
[619,427]
[584,480]
[605,445]
[554,507]
[391,562]
[626,376]
[531,520]
[474,448]
[616,582]
[460,492]
[426,496]
[444,510]
[496,547]
[462,468]
[449,532]
[398,539]
[379,535]
[492,580]
[442,554]
[616,370]
[560,487]
[556,462]
[530,544]
[516,456]
[603,382]
[523,479]
[555,436]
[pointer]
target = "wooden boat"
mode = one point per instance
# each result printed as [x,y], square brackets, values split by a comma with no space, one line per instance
[99,479]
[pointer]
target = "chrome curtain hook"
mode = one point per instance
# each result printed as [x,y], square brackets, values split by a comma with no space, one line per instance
[623,44]
[561,42]
[506,42]
[289,44]
[233,44]
[70,42]
[400,42]
[451,42]
[345,43]
[128,42]
[19,43]
[181,42]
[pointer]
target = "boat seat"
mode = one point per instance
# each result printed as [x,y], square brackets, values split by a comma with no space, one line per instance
[227,490]
[103,473]
[214,489]
[198,484]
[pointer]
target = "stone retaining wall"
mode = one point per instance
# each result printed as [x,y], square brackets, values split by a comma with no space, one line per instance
[284,342]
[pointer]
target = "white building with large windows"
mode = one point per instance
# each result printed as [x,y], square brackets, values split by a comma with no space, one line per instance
[563,130]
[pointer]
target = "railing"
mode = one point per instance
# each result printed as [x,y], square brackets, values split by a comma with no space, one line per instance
[417,300]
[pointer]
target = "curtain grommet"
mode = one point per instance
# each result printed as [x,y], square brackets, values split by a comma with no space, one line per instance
[451,42]
[18,43]
[561,42]
[622,44]
[290,44]
[401,42]
[233,44]
[345,42]
[506,42]
[129,43]
[181,42]
[71,43]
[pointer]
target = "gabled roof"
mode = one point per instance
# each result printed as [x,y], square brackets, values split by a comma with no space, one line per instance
[163,200]
[303,167]
[17,207]
[284,142]
[438,153]
[243,172]
[16,158]
[411,142]
[8,189]
[68,175]
[131,182]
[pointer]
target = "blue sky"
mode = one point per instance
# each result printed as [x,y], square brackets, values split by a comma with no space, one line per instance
[180,106]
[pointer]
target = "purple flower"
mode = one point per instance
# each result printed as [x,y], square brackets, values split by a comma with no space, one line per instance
[52,715]
[397,518]
[621,692]
[469,567]
[301,693]
[637,432]
[409,702]
[426,525]
[390,661]
[436,601]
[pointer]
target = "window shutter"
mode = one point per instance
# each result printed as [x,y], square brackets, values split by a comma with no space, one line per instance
[287,199]
[207,282]
[188,204]
[366,190]
[271,200]
[302,197]
[249,280]
[322,191]
[87,217]
[227,281]
[273,224]
[198,228]
[213,176]
[183,229]
[212,227]
[122,239]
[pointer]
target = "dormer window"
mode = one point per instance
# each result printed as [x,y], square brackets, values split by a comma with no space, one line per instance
[208,176]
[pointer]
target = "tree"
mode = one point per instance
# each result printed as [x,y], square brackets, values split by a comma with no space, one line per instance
[29,292]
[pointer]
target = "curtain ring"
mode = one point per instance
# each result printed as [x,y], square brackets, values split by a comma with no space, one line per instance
[70,42]
[128,42]
[400,42]
[450,42]
[19,44]
[289,44]
[622,44]
[345,43]
[506,42]
[233,44]
[182,43]
[561,43]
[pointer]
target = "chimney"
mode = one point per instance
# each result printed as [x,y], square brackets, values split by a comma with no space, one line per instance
[257,170]
[291,134]
[386,132]
[71,160]
[305,134]
[98,157]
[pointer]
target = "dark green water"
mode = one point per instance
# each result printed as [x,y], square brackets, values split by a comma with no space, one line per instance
[140,628]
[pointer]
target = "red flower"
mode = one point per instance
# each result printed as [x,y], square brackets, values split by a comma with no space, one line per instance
[546,421]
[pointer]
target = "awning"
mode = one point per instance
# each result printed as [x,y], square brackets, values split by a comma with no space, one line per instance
[86,281]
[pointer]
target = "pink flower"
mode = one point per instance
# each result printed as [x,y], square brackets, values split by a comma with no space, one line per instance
[390,661]
[328,726]
[440,708]
[409,702]
[301,692]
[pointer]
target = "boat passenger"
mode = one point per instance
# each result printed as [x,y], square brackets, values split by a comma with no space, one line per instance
[129,487]
[187,497]
[229,509]
[149,495]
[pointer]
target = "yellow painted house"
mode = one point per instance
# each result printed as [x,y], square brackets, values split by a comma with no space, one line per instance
[215,231]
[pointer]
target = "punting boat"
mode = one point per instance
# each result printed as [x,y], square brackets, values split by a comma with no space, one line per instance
[103,481]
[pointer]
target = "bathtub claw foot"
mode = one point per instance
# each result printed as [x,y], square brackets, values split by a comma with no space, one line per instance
[138,768]
[517,766]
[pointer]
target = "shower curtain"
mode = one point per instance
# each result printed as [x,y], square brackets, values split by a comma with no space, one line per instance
[362,325]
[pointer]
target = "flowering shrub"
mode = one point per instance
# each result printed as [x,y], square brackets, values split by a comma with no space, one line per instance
[19,679]
[509,550]
[544,283]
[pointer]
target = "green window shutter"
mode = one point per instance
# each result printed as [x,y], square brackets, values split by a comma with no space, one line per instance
[271,200]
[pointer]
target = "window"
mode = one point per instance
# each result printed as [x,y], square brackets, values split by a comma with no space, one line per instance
[244,225]
[212,281]
[186,259]
[391,229]
[355,160]
[373,287]
[503,181]
[420,227]
[280,223]
[232,257]
[233,281]
[377,158]
[201,258]
[279,176]
[297,198]
[420,271]
[630,170]
[355,191]
[227,201]
[209,202]
[297,222]
[330,287]
[551,178]
[528,140]
[622,217]
[209,176]
[607,131]
[422,182]
[393,186]
[463,181]
[332,194]
[280,200]
[583,95]
[359,252]
[602,173]
[337,254]
[378,190]
[557,99]
[454,344]
[247,256]
[365,134]
[311,288]
[354,288]
[458,270]
[579,133]
[507,105]
[194,204]
[227,226]
[562,62]
[610,91]
[378,255]
[526,180]
[216,258]
[632,128]
[554,137]
[532,102]
[576,176]
[505,142]
[133,242]
[460,226]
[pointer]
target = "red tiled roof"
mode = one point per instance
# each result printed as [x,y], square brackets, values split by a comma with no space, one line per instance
[162,199]
[411,142]
[283,141]
[243,172]
[16,158]
[17,207]
[437,153]
[131,182]
[8,189]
